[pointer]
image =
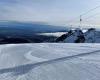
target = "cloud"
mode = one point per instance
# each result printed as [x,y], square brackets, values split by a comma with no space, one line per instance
[50,11]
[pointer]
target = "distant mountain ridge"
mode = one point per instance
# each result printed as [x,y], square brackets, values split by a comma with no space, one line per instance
[34,27]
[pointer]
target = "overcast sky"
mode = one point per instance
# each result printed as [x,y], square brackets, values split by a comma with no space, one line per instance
[57,12]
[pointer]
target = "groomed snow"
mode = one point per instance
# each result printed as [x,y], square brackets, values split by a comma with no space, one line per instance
[48,61]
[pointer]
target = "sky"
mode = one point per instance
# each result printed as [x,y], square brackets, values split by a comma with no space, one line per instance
[57,12]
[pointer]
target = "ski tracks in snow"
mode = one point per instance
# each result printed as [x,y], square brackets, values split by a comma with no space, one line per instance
[33,58]
[22,69]
[52,61]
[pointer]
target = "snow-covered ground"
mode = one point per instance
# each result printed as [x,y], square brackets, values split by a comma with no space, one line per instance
[48,61]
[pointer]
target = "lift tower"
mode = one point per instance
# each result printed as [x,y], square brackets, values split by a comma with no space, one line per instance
[80,22]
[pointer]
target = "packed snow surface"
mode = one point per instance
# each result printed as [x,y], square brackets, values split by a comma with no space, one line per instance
[48,61]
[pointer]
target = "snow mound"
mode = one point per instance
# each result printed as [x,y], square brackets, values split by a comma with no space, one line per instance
[73,36]
[92,36]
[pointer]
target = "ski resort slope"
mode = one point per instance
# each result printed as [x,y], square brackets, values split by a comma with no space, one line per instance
[48,61]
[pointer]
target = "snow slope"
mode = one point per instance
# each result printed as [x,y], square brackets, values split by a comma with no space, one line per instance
[47,61]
